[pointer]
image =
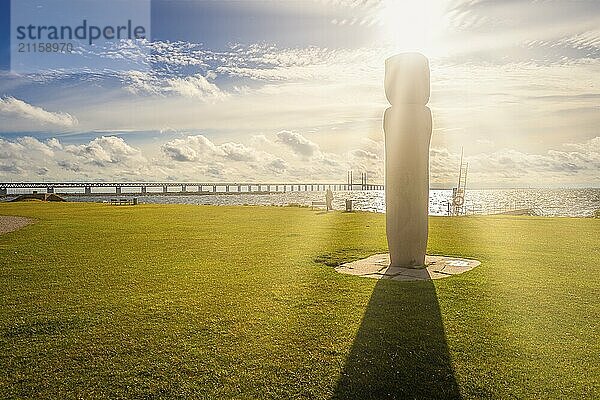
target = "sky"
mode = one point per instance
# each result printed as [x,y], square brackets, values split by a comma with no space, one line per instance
[292,91]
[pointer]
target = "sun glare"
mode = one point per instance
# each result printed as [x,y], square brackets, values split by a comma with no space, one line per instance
[412,25]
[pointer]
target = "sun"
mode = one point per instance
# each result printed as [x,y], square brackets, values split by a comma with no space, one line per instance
[412,25]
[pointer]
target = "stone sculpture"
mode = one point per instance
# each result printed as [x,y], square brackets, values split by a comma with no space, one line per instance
[407,125]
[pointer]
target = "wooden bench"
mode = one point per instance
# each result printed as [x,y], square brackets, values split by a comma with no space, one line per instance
[318,204]
[124,202]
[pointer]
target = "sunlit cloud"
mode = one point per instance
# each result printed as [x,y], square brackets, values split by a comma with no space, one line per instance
[506,77]
[12,109]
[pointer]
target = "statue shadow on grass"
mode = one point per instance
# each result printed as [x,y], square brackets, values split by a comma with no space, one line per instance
[400,351]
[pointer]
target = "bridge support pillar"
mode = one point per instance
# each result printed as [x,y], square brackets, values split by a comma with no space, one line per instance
[183,188]
[239,188]
[88,190]
[226,188]
[3,191]
[118,190]
[144,189]
[214,188]
[50,189]
[165,189]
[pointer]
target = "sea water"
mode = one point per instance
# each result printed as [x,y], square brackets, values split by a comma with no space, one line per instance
[545,202]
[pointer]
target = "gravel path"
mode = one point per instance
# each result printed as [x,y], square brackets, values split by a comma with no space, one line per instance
[9,223]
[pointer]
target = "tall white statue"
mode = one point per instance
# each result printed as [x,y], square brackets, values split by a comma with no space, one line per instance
[407,125]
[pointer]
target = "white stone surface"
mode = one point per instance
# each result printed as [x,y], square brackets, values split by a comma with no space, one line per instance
[407,135]
[436,267]
[407,79]
[407,126]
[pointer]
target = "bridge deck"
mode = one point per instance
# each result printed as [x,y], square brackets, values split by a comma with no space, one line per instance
[213,187]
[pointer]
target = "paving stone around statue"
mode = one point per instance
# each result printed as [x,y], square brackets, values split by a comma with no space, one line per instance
[436,267]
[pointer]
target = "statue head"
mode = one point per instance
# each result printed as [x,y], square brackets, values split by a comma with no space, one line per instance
[407,79]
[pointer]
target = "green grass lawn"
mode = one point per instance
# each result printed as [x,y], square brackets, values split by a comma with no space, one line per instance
[178,301]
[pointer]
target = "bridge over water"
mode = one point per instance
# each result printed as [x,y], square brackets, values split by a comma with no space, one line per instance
[141,188]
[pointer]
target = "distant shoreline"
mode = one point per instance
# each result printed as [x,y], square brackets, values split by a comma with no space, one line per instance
[157,194]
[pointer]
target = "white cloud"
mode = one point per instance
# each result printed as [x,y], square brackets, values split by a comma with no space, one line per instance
[195,87]
[277,166]
[360,153]
[195,157]
[575,163]
[35,145]
[191,148]
[107,150]
[53,143]
[15,108]
[298,144]
[513,75]
[238,152]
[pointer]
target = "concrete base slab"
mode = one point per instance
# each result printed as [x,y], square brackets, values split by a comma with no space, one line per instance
[436,267]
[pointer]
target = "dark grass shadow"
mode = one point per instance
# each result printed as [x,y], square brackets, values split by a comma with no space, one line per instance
[400,351]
